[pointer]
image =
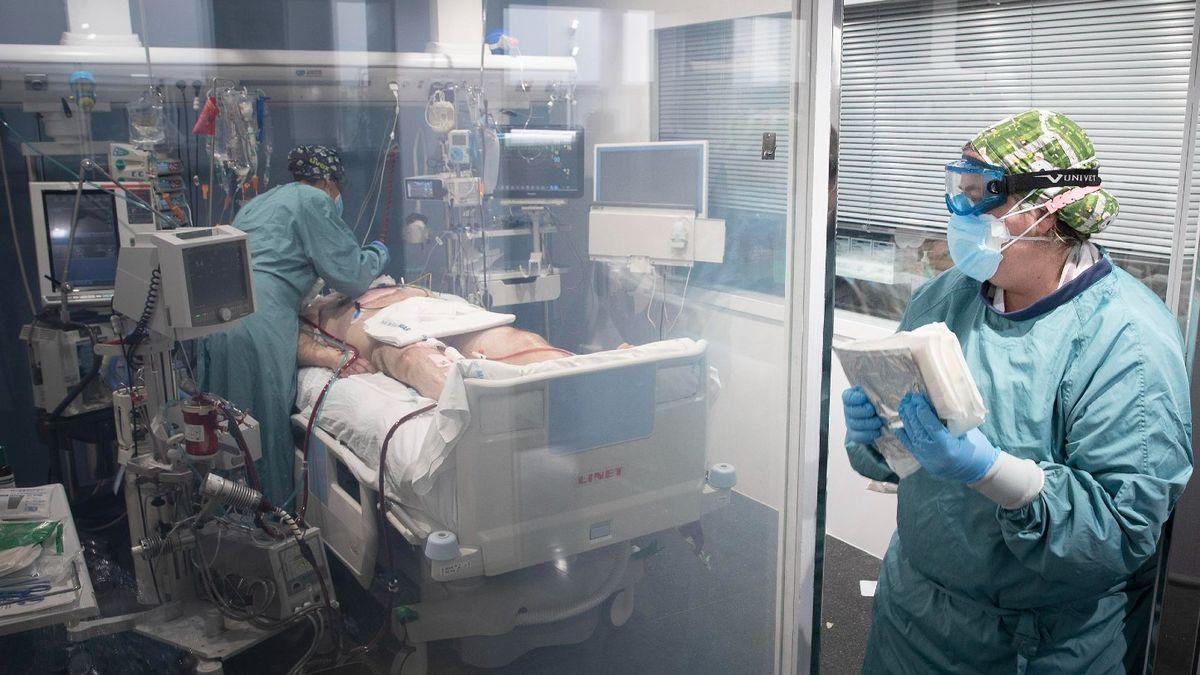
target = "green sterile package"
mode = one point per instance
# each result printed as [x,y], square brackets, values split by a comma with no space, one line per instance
[22,542]
[17,534]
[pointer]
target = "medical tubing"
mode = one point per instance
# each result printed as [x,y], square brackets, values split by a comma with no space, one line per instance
[389,171]
[530,617]
[142,328]
[381,508]
[235,495]
[312,647]
[682,302]
[360,307]
[378,165]
[66,270]
[381,472]
[312,417]
[12,224]
[235,430]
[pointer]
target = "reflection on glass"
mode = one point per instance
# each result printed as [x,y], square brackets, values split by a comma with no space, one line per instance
[512,393]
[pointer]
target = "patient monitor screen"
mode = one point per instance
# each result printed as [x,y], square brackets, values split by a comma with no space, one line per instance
[661,175]
[97,238]
[540,163]
[216,280]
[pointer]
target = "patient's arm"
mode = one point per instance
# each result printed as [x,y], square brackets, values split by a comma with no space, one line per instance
[312,352]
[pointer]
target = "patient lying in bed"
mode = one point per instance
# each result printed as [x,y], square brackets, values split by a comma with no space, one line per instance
[422,365]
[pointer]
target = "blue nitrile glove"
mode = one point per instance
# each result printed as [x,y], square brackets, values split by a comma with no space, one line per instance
[862,422]
[382,249]
[962,459]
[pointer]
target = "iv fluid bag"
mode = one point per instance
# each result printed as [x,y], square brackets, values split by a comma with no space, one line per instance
[147,122]
[237,133]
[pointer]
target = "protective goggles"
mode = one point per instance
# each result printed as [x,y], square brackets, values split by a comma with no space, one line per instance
[974,187]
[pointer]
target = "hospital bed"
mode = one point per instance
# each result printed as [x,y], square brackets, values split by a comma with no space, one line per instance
[530,489]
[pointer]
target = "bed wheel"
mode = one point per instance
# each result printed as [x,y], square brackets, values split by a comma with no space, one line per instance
[411,660]
[620,608]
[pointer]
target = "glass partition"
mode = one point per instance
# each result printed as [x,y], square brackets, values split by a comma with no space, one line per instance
[918,81]
[389,368]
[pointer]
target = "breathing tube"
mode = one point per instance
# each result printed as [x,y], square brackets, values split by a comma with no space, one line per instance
[381,504]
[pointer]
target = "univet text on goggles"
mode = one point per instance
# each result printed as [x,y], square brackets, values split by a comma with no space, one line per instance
[974,187]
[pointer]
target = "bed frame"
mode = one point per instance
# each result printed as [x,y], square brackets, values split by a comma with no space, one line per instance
[551,467]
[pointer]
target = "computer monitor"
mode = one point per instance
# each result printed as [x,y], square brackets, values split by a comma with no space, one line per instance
[665,174]
[106,222]
[540,163]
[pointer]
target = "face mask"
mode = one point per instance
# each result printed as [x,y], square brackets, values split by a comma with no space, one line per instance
[337,205]
[977,242]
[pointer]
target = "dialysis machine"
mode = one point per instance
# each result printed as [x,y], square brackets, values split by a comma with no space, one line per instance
[224,567]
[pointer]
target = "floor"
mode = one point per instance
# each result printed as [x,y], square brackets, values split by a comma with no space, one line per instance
[689,617]
[845,612]
[692,615]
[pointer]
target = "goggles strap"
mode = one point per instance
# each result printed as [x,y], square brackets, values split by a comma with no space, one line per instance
[1054,178]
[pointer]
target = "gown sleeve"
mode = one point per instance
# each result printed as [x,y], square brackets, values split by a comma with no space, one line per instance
[867,461]
[331,247]
[1127,458]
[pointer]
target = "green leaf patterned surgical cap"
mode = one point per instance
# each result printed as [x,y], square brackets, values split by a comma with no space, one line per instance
[1039,140]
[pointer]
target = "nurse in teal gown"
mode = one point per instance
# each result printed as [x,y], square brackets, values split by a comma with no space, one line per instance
[1029,545]
[296,235]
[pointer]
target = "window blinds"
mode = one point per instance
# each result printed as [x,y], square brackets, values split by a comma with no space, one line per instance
[920,78]
[727,82]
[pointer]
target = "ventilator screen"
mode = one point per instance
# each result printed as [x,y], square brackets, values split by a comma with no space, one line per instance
[97,239]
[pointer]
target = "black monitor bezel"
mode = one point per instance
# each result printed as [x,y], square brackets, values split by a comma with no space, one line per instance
[504,192]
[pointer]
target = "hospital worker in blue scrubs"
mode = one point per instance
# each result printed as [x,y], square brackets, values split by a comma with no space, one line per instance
[296,235]
[1029,544]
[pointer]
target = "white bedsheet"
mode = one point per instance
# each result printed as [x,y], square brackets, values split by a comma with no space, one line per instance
[359,410]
